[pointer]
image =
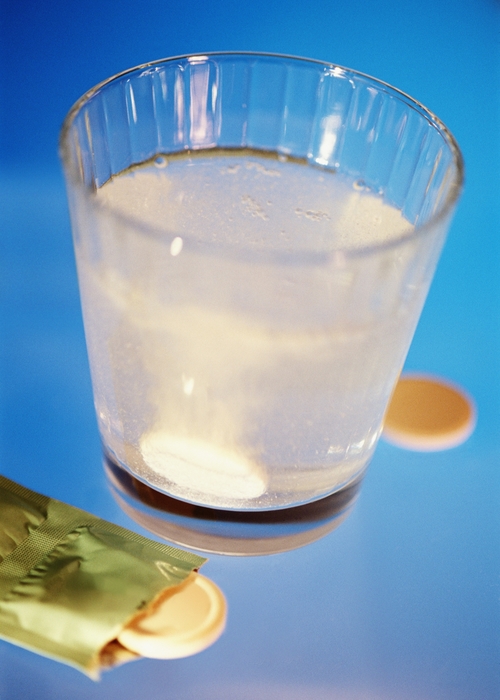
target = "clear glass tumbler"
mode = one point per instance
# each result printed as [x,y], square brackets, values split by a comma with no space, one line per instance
[255,237]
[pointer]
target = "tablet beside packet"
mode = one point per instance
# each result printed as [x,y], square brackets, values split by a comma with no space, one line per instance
[70,583]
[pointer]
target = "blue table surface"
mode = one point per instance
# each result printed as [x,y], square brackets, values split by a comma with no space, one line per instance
[401,600]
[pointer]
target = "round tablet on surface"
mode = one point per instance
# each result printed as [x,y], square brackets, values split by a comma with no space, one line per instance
[427,413]
[184,621]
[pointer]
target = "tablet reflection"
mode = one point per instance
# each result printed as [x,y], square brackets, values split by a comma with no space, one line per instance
[236,533]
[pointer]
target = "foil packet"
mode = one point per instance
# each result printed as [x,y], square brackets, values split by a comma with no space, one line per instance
[71,582]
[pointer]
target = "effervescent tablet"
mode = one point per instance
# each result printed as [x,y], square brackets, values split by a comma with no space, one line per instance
[184,621]
[427,413]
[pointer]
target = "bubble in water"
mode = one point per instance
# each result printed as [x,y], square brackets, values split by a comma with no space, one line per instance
[317,215]
[161,162]
[270,172]
[282,158]
[253,207]
[231,169]
[313,215]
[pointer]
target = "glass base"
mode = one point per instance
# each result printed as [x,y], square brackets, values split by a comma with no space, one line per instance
[230,532]
[232,488]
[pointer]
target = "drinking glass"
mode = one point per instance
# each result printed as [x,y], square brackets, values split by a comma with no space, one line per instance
[255,237]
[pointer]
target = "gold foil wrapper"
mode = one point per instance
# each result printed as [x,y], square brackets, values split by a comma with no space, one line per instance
[70,581]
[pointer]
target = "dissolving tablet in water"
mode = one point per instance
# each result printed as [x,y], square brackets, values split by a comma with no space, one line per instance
[197,465]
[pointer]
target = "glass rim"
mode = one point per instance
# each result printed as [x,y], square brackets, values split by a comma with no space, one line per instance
[444,210]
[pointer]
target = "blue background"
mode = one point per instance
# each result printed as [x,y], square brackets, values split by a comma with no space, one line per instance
[401,602]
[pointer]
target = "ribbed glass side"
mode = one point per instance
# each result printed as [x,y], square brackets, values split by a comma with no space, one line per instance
[332,117]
